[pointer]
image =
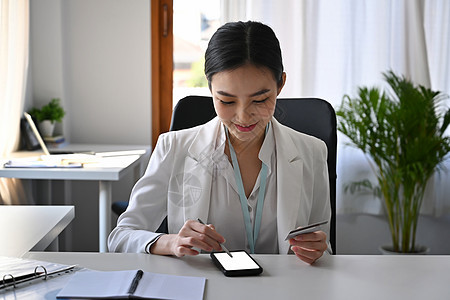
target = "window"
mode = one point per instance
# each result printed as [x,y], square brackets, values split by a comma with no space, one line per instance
[194,22]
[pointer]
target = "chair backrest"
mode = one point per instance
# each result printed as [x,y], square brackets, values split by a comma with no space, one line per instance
[312,116]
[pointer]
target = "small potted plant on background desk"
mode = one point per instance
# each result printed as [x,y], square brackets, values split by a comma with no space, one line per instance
[402,134]
[47,116]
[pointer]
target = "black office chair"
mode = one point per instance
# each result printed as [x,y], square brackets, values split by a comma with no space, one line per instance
[312,116]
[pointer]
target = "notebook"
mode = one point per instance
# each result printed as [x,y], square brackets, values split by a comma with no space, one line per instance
[132,284]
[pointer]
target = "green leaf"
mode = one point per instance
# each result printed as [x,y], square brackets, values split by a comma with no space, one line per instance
[52,111]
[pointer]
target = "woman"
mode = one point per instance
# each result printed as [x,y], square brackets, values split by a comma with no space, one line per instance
[251,178]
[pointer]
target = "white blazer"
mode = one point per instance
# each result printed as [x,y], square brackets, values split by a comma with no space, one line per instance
[177,184]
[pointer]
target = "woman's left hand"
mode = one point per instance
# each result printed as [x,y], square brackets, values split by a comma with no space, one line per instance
[309,247]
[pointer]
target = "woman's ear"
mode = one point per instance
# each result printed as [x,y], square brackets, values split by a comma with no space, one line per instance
[281,84]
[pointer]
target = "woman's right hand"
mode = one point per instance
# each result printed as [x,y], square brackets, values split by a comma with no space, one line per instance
[192,234]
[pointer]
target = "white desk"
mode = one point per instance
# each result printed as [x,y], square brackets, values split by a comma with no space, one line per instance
[109,170]
[25,227]
[286,277]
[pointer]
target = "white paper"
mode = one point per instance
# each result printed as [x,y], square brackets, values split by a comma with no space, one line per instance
[37,289]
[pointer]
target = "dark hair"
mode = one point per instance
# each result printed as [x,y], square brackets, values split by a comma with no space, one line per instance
[238,43]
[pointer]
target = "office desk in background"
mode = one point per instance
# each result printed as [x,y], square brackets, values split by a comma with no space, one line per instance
[28,227]
[337,277]
[110,169]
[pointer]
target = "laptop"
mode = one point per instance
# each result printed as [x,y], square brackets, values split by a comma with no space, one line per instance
[84,154]
[60,159]
[41,140]
[64,159]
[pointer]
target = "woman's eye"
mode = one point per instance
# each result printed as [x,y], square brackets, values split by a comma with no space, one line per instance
[226,102]
[260,101]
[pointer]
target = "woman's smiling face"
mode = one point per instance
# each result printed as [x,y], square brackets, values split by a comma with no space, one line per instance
[245,99]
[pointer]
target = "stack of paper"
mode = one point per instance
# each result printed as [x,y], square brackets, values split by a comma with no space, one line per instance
[17,272]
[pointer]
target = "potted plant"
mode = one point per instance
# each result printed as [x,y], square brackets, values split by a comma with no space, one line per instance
[48,115]
[402,134]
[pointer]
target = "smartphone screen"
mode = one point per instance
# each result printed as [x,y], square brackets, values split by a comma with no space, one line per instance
[241,264]
[240,261]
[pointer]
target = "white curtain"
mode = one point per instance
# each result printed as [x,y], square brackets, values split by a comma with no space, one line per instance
[14,31]
[332,47]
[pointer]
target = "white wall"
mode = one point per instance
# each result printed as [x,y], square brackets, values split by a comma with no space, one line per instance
[95,56]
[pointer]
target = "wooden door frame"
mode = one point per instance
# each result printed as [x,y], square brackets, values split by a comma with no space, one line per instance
[161,65]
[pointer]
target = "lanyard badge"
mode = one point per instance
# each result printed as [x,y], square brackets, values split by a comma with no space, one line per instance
[252,235]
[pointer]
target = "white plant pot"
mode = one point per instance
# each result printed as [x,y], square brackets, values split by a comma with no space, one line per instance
[46,128]
[420,250]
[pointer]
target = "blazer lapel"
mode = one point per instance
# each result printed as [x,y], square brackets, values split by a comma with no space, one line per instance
[199,171]
[289,178]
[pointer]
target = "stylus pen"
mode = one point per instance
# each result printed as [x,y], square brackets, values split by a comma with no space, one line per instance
[221,245]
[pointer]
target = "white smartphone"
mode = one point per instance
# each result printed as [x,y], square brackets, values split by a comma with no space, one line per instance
[241,264]
[307,229]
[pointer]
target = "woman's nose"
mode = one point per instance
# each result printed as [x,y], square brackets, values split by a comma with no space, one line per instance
[244,114]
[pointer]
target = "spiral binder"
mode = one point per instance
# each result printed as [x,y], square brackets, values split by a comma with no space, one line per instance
[8,280]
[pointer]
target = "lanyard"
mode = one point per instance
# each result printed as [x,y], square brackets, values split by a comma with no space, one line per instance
[251,236]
